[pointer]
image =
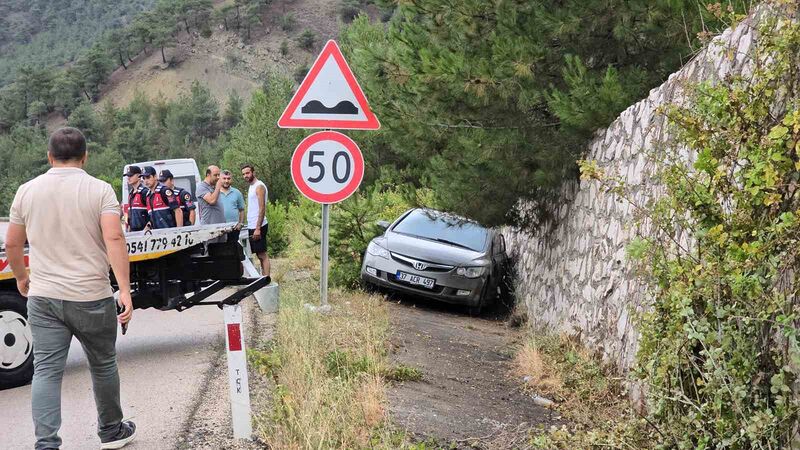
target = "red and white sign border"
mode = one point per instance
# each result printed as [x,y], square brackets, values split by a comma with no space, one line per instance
[358,167]
[330,49]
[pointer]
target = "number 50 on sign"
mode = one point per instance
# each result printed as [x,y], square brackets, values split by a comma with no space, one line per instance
[327,167]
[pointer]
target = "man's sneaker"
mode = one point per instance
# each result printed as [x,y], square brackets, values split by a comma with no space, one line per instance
[126,433]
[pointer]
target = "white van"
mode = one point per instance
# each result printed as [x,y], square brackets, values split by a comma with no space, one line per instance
[184,170]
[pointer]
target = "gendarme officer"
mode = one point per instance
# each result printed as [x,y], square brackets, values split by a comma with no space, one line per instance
[137,200]
[164,210]
[184,197]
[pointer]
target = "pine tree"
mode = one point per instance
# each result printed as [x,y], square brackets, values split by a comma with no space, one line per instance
[490,102]
[65,92]
[93,68]
[118,43]
[233,111]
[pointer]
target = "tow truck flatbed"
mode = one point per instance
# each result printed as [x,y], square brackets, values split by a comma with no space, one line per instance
[145,245]
[170,269]
[177,268]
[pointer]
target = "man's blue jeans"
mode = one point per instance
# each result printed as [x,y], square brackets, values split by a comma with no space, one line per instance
[53,324]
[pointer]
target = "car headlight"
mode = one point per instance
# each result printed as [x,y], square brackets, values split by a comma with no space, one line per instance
[470,272]
[376,250]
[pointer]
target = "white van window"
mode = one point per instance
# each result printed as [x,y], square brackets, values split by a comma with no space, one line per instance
[187,183]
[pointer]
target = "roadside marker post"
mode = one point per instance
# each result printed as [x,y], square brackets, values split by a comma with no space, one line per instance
[237,372]
[327,167]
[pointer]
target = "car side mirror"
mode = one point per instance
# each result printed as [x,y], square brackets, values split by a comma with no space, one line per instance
[383,225]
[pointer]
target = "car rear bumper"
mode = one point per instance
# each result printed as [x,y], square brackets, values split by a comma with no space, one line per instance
[382,272]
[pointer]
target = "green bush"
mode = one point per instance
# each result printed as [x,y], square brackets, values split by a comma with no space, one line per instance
[402,373]
[288,22]
[344,364]
[300,73]
[349,9]
[307,40]
[284,47]
[278,235]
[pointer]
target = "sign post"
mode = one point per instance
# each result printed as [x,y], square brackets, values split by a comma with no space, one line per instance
[323,278]
[237,372]
[327,167]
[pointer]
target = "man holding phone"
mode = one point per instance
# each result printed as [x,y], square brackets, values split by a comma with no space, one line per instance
[72,244]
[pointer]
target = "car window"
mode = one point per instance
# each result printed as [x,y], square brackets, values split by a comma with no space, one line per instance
[443,227]
[499,244]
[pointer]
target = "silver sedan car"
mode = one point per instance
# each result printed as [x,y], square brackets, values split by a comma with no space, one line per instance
[440,256]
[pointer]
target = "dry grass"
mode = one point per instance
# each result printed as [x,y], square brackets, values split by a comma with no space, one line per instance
[528,362]
[591,397]
[328,370]
[562,370]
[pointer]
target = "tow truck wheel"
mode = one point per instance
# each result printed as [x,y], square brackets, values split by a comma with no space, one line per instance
[16,343]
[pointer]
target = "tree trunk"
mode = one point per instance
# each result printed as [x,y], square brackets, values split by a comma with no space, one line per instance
[238,22]
[121,59]
[88,97]
[186,22]
[163,57]
[225,21]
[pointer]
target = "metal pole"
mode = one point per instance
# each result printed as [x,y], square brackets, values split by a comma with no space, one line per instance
[323,279]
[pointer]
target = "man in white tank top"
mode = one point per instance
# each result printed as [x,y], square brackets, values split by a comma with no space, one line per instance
[257,226]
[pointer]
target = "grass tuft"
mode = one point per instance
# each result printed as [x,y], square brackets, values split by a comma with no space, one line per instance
[328,373]
[402,373]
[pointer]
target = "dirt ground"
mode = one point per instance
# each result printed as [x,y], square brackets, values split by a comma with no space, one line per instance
[467,397]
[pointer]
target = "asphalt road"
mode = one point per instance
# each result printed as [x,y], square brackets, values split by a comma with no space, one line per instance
[164,360]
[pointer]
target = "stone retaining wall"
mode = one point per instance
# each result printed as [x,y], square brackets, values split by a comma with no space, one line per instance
[572,272]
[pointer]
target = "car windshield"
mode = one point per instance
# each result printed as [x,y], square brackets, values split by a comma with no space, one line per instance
[443,228]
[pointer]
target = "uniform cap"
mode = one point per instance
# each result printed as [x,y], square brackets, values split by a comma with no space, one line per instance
[165,175]
[149,171]
[133,170]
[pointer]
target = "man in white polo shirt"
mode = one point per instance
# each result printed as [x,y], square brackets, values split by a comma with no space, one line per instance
[72,243]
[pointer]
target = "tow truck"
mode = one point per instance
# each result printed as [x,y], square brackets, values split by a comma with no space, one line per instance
[170,269]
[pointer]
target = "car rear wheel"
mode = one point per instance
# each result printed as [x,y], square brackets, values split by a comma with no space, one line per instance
[16,342]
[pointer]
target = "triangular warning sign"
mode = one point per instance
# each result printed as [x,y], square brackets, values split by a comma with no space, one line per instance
[329,97]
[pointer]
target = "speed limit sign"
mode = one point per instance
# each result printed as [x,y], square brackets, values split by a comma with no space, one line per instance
[327,167]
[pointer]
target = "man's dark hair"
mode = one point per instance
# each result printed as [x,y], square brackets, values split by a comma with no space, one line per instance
[67,144]
[248,166]
[208,171]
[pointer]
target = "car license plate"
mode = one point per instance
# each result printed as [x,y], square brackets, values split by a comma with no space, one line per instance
[416,279]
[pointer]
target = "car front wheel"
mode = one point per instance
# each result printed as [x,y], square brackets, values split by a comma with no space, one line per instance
[484,300]
[16,342]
